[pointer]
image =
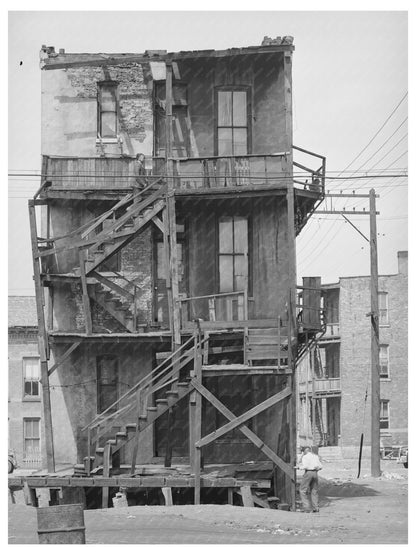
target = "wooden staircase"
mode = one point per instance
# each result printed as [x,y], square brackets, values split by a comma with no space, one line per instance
[141,406]
[114,304]
[118,230]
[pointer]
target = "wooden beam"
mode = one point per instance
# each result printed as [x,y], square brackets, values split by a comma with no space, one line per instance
[246,431]
[238,421]
[197,417]
[167,494]
[247,497]
[174,274]
[63,358]
[42,342]
[85,296]
[158,223]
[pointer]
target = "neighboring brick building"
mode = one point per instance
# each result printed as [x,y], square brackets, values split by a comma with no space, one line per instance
[342,365]
[24,386]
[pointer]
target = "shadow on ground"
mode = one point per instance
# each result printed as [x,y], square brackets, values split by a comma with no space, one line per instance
[332,490]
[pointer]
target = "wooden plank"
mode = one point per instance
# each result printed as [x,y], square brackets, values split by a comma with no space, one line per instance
[246,431]
[63,358]
[42,343]
[234,324]
[111,285]
[106,473]
[198,420]
[247,497]
[236,422]
[167,494]
[85,296]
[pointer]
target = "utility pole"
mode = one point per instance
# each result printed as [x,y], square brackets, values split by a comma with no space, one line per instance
[374,315]
[375,361]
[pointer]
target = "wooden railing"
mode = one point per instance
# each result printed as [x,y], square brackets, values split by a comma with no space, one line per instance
[135,401]
[219,172]
[211,172]
[228,307]
[322,386]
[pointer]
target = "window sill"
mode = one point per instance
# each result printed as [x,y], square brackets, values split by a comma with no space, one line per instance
[385,379]
[31,399]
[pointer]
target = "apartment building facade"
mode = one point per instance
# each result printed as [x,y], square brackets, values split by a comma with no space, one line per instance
[339,396]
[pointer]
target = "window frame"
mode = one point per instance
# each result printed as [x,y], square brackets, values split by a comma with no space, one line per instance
[384,419]
[31,438]
[385,310]
[233,88]
[26,396]
[386,376]
[115,137]
[234,254]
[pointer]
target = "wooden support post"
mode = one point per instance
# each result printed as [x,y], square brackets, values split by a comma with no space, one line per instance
[313,398]
[167,494]
[197,418]
[174,275]
[170,424]
[106,473]
[42,341]
[292,325]
[230,496]
[247,497]
[375,343]
[85,297]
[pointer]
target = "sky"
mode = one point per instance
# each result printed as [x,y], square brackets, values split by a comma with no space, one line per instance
[350,105]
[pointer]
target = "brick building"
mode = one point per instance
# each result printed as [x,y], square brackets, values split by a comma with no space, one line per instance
[341,366]
[24,388]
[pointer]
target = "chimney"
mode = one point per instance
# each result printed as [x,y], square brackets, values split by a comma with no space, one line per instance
[402,262]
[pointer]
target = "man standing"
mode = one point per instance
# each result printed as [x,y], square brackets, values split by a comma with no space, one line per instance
[310,463]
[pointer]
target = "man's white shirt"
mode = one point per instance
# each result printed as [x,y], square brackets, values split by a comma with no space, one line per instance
[310,461]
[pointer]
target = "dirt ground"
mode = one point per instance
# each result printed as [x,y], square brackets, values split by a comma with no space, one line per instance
[352,511]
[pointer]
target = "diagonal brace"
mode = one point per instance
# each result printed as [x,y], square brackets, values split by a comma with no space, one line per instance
[64,357]
[237,421]
[287,469]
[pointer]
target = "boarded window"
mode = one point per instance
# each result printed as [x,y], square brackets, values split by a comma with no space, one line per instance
[232,123]
[31,438]
[384,414]
[31,377]
[107,110]
[233,254]
[384,362]
[383,308]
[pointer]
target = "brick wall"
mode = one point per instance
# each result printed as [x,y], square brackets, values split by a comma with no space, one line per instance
[21,344]
[356,360]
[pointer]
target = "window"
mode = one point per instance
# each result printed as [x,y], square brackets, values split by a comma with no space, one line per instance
[31,377]
[31,438]
[384,414]
[107,110]
[383,308]
[384,362]
[232,122]
[233,254]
